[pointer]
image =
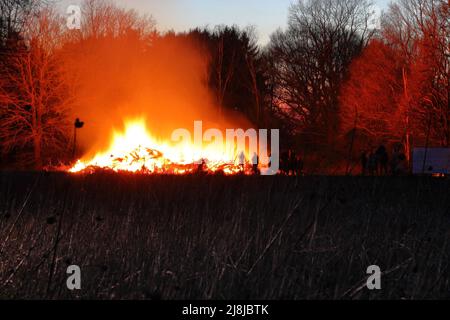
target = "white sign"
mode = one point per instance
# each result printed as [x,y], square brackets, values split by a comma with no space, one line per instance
[431,161]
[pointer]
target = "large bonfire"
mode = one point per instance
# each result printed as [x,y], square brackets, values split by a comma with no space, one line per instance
[136,150]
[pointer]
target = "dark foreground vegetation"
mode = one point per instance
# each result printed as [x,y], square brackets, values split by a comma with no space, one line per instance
[166,237]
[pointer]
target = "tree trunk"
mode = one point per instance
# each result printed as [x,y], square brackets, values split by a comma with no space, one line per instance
[37,152]
[407,135]
[352,143]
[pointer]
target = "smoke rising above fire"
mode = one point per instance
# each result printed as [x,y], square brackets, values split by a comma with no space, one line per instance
[162,80]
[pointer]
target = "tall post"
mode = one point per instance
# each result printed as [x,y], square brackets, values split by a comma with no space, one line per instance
[407,137]
[77,125]
[427,143]
[352,143]
[74,148]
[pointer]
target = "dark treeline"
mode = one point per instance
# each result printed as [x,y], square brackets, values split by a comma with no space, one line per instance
[338,80]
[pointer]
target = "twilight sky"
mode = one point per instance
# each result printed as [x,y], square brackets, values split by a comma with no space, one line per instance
[182,15]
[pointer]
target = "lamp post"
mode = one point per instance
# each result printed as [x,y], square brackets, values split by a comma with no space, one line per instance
[77,125]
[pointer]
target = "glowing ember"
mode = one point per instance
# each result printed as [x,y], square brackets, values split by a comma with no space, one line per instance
[136,150]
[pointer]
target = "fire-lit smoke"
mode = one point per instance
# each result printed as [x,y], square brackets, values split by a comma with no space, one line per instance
[164,83]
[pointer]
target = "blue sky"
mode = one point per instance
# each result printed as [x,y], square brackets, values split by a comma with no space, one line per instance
[180,15]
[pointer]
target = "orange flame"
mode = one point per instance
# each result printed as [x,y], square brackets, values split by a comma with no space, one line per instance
[136,150]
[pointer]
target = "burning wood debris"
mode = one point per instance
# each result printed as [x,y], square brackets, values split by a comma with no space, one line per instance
[137,151]
[151,161]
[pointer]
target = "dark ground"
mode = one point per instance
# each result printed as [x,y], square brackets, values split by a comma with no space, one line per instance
[212,237]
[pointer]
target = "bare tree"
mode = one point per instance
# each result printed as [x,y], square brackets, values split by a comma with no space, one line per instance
[252,55]
[370,97]
[34,92]
[103,18]
[14,14]
[311,60]
[420,29]
[225,63]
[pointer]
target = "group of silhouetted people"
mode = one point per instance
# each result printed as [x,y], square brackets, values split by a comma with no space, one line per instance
[254,162]
[291,164]
[378,163]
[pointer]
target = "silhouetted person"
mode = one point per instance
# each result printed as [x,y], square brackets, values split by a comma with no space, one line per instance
[394,162]
[299,166]
[364,161]
[398,162]
[382,160]
[372,163]
[201,167]
[292,166]
[242,160]
[255,162]
[402,168]
[284,163]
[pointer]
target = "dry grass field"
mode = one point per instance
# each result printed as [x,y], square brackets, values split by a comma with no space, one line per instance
[216,237]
